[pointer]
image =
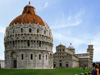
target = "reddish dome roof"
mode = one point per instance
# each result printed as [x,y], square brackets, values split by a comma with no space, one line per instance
[28,16]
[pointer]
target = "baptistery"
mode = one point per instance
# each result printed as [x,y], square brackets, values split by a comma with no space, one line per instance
[28,42]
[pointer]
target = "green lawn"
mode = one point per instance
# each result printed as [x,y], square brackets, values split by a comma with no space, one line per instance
[60,71]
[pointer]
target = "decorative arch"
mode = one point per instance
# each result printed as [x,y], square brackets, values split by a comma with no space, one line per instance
[21,30]
[14,60]
[44,31]
[37,30]
[30,30]
[13,55]
[39,56]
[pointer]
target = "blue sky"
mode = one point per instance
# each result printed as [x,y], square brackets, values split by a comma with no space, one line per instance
[71,21]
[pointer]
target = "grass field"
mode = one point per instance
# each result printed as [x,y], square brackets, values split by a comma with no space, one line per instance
[60,71]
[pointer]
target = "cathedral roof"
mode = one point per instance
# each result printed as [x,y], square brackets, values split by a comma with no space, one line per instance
[28,16]
[84,57]
[71,46]
[82,53]
[61,45]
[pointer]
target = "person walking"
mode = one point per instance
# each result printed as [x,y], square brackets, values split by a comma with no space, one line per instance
[93,72]
[97,69]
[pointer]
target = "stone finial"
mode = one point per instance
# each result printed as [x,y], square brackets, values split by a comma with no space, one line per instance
[29,2]
[70,43]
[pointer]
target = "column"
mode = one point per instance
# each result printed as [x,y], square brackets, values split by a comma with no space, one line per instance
[17,44]
[43,61]
[36,60]
[27,60]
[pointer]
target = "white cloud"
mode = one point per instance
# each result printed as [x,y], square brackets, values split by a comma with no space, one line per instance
[1,43]
[70,21]
[1,57]
[2,29]
[43,4]
[46,4]
[4,3]
[64,39]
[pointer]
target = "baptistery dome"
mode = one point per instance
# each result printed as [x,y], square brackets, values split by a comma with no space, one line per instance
[28,16]
[28,42]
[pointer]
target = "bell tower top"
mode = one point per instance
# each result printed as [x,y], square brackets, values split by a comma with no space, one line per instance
[90,49]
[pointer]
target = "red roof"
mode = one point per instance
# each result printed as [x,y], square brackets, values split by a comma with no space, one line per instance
[28,16]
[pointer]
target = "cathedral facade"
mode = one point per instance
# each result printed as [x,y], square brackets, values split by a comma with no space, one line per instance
[66,57]
[28,42]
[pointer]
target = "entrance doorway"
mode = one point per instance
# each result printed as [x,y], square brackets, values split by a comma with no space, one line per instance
[54,65]
[66,65]
[14,63]
[60,64]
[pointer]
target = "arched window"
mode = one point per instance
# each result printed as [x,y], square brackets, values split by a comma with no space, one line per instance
[8,34]
[13,43]
[44,32]
[13,30]
[46,57]
[21,30]
[30,30]
[39,57]
[39,43]
[31,56]
[51,56]
[28,43]
[37,30]
[22,56]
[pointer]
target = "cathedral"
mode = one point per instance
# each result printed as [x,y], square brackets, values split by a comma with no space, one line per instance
[28,42]
[66,57]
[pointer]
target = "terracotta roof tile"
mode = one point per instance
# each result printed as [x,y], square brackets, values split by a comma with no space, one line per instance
[28,16]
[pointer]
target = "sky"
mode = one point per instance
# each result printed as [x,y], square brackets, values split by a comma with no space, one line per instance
[71,21]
